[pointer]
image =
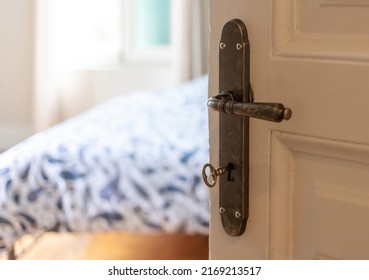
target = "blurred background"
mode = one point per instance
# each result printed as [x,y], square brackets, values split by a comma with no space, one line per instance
[60,57]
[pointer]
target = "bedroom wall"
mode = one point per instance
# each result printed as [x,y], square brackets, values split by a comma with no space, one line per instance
[15,70]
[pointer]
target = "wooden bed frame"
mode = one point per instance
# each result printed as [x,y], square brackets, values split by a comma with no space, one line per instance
[116,246]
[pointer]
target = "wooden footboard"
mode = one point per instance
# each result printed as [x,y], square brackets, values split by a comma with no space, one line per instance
[118,246]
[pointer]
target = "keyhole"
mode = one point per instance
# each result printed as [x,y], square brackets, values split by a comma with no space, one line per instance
[230,167]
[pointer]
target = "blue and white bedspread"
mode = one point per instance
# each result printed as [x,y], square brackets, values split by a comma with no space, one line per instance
[132,164]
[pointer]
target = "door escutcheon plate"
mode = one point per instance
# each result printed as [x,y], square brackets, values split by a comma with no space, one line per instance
[234,76]
[235,105]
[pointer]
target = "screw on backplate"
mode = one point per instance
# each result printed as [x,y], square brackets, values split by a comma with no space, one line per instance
[222,45]
[221,210]
[239,46]
[237,215]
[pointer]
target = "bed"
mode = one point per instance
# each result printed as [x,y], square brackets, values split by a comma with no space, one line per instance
[131,164]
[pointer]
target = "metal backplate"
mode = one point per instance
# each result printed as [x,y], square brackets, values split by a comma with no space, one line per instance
[234,76]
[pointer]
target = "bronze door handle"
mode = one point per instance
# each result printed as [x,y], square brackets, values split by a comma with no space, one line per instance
[225,103]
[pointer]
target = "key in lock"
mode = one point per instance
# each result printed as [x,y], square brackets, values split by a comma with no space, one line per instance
[210,178]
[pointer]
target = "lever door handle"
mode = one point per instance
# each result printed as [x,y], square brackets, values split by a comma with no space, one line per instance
[225,103]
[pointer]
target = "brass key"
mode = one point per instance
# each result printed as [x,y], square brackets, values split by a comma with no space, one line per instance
[211,179]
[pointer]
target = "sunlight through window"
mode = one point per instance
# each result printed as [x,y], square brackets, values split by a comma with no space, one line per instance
[105,32]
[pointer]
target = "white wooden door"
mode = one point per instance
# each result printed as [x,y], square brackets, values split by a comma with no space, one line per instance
[309,176]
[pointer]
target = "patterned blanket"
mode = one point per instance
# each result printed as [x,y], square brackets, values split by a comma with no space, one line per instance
[133,164]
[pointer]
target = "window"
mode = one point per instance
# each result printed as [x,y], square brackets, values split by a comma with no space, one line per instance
[151,23]
[148,30]
[106,32]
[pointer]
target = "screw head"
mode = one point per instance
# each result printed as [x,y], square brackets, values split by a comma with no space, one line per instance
[239,46]
[221,210]
[222,45]
[238,215]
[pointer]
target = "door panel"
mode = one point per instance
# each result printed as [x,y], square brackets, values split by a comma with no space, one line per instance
[341,18]
[309,196]
[319,198]
[321,29]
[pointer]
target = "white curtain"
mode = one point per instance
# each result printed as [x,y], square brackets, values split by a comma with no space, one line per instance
[59,90]
[191,38]
[46,109]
